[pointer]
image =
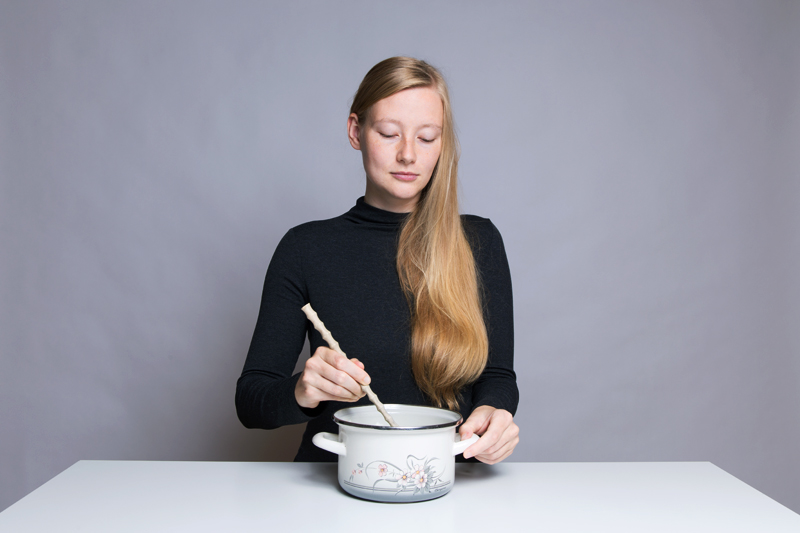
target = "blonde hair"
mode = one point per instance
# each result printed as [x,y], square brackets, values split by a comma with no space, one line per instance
[449,343]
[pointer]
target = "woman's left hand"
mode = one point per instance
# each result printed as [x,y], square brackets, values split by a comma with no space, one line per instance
[499,434]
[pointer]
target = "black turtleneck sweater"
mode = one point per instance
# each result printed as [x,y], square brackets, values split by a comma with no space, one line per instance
[345,267]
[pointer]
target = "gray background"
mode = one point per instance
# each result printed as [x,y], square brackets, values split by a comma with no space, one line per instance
[640,159]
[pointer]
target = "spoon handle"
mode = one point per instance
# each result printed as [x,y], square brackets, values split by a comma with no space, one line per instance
[327,337]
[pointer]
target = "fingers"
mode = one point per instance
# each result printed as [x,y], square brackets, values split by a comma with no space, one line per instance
[500,435]
[502,448]
[477,422]
[330,376]
[468,429]
[352,367]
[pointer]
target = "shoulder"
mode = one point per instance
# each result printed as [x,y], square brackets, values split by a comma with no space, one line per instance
[478,223]
[487,244]
[308,239]
[481,232]
[318,227]
[313,232]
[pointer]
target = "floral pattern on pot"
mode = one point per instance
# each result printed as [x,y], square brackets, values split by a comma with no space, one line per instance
[420,475]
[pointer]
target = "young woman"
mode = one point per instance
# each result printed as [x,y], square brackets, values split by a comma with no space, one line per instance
[418,296]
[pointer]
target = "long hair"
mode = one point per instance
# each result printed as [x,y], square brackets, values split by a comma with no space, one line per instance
[449,344]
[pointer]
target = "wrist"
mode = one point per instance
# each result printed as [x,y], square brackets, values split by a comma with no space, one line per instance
[301,397]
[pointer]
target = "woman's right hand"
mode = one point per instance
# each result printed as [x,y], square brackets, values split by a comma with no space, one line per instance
[330,376]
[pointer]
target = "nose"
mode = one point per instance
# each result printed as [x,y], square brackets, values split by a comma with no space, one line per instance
[407,154]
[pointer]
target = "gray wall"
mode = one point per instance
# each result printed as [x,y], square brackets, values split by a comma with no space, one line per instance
[640,159]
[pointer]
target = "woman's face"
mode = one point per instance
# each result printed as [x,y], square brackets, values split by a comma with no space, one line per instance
[400,144]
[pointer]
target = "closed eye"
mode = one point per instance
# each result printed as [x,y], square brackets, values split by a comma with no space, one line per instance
[427,140]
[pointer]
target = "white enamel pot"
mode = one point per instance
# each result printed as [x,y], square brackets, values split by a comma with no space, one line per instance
[413,462]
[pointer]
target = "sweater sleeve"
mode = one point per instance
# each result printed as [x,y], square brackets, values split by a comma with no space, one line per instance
[497,385]
[265,391]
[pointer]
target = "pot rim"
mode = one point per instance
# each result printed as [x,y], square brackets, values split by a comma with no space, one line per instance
[398,428]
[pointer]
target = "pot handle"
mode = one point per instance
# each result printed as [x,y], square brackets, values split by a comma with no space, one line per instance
[330,442]
[460,446]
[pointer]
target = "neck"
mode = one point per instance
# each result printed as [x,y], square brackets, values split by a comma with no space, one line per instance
[389,203]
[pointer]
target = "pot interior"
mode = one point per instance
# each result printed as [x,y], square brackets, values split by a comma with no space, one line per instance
[408,417]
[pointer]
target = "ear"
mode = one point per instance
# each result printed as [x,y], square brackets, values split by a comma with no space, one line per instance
[354,131]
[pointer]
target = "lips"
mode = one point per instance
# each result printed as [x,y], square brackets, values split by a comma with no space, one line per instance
[404,176]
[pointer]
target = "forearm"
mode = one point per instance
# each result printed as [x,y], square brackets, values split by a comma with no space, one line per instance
[265,391]
[497,387]
[267,402]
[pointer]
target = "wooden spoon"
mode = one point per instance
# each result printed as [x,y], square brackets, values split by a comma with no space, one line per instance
[327,337]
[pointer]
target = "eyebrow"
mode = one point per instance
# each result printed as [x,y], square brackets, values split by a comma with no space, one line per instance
[393,121]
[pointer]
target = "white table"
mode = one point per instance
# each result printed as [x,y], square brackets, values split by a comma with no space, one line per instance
[549,497]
